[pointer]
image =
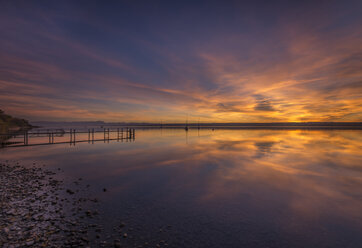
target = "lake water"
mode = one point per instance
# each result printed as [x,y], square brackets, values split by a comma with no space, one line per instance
[221,188]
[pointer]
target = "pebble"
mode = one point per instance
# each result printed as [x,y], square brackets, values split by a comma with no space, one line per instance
[37,211]
[32,214]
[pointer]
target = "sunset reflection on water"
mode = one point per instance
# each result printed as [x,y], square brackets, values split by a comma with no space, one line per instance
[250,187]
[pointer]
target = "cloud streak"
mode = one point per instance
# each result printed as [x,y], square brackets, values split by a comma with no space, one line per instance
[71,63]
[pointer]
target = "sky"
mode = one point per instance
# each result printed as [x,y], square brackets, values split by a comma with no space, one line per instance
[153,61]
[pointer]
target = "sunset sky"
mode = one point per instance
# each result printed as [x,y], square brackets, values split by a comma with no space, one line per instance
[220,61]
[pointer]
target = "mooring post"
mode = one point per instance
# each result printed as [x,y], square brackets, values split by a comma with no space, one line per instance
[117,134]
[49,137]
[93,136]
[134,133]
[74,136]
[70,136]
[26,137]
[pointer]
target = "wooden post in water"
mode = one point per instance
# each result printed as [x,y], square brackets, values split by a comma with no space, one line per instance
[74,137]
[71,136]
[93,136]
[26,137]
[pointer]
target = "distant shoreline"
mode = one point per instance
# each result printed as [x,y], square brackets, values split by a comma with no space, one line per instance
[275,125]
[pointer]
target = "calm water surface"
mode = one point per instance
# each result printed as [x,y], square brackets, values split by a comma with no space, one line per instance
[222,188]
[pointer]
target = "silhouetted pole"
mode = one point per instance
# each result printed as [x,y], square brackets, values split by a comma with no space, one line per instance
[74,137]
[26,137]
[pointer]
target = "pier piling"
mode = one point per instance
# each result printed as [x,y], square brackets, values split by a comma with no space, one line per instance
[127,134]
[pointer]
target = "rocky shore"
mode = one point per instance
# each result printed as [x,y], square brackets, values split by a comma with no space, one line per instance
[37,211]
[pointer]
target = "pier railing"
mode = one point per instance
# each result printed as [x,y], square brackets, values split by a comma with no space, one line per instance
[19,139]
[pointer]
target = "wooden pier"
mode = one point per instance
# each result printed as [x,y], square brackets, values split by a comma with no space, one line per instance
[119,134]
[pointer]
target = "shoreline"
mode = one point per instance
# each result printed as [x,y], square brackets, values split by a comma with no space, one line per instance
[36,210]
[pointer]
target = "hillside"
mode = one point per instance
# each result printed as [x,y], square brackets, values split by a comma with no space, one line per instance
[7,122]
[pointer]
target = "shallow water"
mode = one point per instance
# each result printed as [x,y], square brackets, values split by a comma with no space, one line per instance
[221,188]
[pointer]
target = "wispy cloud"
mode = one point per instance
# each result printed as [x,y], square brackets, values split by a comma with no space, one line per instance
[84,64]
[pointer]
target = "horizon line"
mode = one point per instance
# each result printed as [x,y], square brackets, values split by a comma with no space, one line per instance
[210,123]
